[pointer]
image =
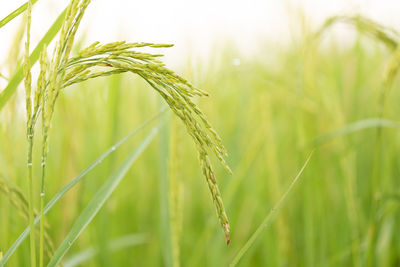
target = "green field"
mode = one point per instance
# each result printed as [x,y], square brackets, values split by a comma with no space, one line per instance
[271,111]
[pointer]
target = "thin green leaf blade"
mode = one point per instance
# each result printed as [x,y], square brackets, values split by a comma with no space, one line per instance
[98,201]
[15,13]
[18,76]
[355,127]
[268,219]
[71,184]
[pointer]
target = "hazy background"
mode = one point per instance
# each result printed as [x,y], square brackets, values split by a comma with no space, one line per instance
[195,27]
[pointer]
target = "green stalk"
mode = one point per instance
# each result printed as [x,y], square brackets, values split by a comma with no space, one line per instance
[30,190]
[42,190]
[42,194]
[29,132]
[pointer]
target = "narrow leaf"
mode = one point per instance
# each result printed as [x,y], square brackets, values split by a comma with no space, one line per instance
[268,219]
[98,201]
[18,76]
[71,184]
[15,13]
[354,127]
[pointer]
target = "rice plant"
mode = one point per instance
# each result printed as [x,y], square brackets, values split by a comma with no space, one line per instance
[103,60]
[86,117]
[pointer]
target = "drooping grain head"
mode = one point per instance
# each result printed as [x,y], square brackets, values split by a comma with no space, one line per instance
[118,57]
[177,92]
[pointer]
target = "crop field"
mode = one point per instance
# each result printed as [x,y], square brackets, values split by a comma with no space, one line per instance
[289,157]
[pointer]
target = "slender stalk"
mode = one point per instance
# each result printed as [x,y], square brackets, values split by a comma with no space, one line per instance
[30,133]
[42,190]
[30,193]
[42,194]
[42,96]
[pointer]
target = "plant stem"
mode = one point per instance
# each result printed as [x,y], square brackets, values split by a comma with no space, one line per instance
[42,194]
[41,237]
[41,242]
[30,185]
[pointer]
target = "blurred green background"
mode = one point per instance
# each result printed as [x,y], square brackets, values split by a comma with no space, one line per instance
[269,109]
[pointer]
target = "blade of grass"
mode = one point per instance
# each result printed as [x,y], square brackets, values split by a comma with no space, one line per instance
[18,76]
[70,185]
[98,201]
[15,13]
[354,127]
[115,245]
[268,219]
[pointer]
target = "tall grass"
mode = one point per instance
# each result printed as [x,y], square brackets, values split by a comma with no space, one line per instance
[270,111]
[63,71]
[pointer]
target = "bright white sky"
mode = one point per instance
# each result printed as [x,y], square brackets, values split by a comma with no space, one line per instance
[195,27]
